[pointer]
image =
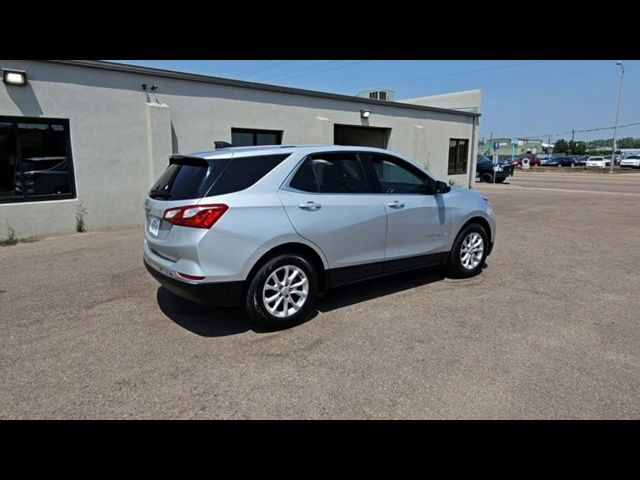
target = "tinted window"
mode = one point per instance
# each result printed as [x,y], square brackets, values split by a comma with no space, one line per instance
[304,178]
[188,179]
[396,176]
[192,179]
[242,139]
[458,153]
[339,173]
[242,172]
[35,159]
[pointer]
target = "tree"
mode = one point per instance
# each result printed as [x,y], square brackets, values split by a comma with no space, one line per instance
[628,142]
[561,146]
[578,148]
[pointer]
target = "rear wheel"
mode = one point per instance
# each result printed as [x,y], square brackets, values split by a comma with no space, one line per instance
[282,293]
[469,251]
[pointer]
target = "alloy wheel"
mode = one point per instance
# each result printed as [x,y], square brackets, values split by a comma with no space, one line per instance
[285,291]
[471,250]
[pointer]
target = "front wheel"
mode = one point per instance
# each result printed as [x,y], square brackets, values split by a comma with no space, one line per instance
[486,177]
[283,292]
[469,252]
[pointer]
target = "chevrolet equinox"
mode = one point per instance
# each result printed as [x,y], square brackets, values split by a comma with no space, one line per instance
[268,227]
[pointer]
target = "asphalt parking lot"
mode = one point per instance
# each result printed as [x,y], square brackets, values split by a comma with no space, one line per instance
[550,329]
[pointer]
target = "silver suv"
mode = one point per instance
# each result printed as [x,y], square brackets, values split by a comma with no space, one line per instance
[268,227]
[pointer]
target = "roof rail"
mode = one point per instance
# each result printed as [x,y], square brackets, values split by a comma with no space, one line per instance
[222,145]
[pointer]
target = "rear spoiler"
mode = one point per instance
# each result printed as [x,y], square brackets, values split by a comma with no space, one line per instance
[188,160]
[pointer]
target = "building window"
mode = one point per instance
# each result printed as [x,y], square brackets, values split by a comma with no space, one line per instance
[35,160]
[458,156]
[373,95]
[382,96]
[246,137]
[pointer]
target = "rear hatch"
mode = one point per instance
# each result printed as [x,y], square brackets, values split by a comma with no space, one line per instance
[189,179]
[184,182]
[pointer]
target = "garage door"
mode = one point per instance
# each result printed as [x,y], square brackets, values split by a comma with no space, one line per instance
[361,136]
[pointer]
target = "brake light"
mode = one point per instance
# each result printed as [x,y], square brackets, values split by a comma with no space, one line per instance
[198,216]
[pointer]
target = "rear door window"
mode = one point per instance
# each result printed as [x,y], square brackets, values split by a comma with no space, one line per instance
[305,178]
[339,173]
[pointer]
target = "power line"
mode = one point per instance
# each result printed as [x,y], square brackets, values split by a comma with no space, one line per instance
[251,69]
[444,75]
[584,130]
[269,67]
[324,71]
[303,69]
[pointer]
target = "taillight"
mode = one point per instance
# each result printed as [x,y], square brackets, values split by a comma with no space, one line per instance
[198,216]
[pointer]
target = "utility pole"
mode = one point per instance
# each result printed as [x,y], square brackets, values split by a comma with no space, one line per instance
[615,126]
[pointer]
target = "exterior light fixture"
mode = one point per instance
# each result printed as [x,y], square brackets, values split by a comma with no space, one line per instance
[364,113]
[14,77]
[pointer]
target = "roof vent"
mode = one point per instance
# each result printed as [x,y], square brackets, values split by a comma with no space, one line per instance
[385,95]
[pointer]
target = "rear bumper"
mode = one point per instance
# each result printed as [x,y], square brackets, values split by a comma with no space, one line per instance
[222,294]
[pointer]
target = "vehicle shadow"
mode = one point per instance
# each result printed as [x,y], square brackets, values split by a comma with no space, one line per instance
[378,287]
[210,322]
[201,320]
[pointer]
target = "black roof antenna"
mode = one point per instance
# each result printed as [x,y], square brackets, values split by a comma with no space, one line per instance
[222,145]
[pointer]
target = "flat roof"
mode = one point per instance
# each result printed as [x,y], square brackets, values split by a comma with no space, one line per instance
[157,72]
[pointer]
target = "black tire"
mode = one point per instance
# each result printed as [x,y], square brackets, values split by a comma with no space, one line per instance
[454,263]
[255,307]
[486,177]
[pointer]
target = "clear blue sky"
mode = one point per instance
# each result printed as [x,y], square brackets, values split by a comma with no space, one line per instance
[520,97]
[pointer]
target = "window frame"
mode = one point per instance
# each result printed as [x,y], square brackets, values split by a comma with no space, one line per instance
[255,132]
[373,177]
[27,198]
[363,164]
[466,160]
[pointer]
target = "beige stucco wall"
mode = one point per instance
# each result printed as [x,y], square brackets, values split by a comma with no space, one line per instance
[121,135]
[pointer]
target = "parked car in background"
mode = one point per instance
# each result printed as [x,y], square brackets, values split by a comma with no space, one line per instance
[632,161]
[269,227]
[533,162]
[580,160]
[599,162]
[43,176]
[565,161]
[489,172]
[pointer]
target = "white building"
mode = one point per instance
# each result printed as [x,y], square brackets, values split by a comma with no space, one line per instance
[99,133]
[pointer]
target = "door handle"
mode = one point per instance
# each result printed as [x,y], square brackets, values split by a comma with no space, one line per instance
[395,204]
[310,206]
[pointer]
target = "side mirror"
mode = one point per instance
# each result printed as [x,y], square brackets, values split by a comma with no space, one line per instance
[441,188]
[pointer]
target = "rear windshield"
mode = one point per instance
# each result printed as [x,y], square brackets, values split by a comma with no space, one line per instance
[188,179]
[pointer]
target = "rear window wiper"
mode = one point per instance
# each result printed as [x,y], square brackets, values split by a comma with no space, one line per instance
[159,193]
